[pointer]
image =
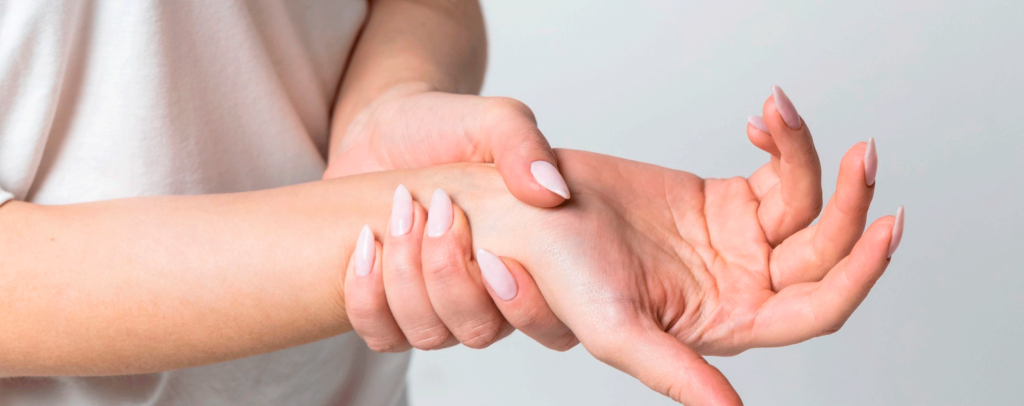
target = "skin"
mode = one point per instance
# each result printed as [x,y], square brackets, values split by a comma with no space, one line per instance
[651,268]
[633,266]
[141,268]
[411,54]
[408,100]
[427,292]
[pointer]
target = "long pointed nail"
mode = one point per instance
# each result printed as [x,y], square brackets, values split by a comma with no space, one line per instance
[758,123]
[547,175]
[870,163]
[497,275]
[897,232]
[366,251]
[786,108]
[439,218]
[401,212]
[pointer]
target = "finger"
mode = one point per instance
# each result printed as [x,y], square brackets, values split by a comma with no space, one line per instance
[403,277]
[809,254]
[763,180]
[796,200]
[759,135]
[666,365]
[453,279]
[807,310]
[365,304]
[517,296]
[526,162]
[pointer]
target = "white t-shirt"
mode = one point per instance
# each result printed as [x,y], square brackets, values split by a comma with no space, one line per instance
[110,99]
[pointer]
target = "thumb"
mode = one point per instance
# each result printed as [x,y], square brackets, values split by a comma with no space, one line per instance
[522,154]
[666,365]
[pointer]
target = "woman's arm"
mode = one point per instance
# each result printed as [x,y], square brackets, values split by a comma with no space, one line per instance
[431,45]
[649,267]
[408,101]
[149,284]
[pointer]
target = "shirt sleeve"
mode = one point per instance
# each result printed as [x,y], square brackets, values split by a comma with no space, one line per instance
[5,196]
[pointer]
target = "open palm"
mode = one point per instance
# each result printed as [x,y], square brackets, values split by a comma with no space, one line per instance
[652,267]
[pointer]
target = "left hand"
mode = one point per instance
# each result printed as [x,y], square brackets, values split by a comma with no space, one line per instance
[411,126]
[651,268]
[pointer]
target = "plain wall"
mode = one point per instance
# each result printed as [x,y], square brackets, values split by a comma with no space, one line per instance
[938,83]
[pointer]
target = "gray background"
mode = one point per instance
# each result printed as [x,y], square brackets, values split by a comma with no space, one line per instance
[939,84]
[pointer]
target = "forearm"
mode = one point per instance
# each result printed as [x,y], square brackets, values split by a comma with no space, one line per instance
[425,44]
[149,284]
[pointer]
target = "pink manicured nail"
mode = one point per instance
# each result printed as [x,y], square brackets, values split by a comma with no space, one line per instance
[870,162]
[401,212]
[547,175]
[897,232]
[786,108]
[496,274]
[758,123]
[366,250]
[439,218]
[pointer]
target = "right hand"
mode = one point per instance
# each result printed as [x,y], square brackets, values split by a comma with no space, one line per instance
[424,287]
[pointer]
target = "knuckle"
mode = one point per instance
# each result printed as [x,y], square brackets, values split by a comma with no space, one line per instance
[482,334]
[363,309]
[429,338]
[402,265]
[445,264]
[359,311]
[674,391]
[737,185]
[508,108]
[509,117]
[532,319]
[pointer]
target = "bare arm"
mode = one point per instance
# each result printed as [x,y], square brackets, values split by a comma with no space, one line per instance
[149,284]
[427,45]
[408,100]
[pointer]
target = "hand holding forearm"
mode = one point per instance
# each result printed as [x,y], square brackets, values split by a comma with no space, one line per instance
[649,267]
[408,101]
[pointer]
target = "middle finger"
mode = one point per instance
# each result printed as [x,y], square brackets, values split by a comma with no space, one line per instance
[403,280]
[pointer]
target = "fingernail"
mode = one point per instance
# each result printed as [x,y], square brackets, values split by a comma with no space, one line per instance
[870,162]
[365,252]
[401,212]
[439,218]
[547,175]
[785,108]
[758,123]
[496,274]
[897,232]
